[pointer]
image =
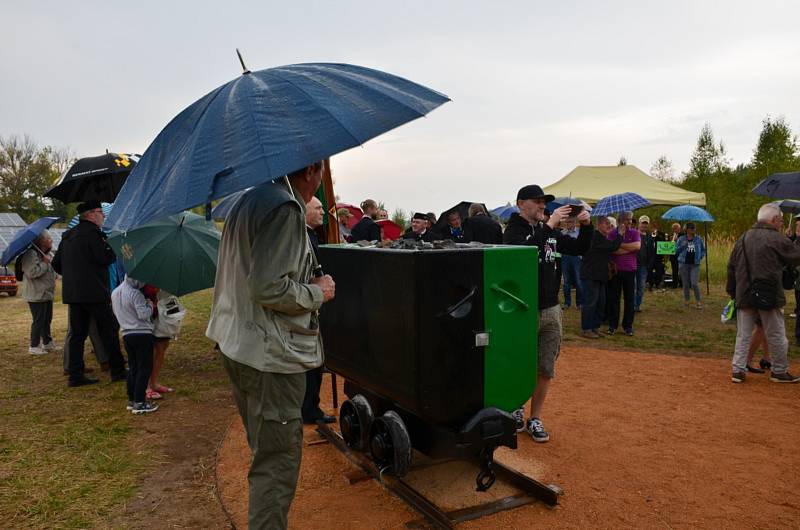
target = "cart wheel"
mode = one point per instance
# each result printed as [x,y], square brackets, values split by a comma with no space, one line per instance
[390,443]
[355,419]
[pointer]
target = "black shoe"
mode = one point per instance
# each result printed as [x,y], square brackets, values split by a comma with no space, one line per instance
[765,364]
[754,370]
[629,332]
[123,376]
[324,419]
[785,377]
[611,331]
[738,377]
[82,381]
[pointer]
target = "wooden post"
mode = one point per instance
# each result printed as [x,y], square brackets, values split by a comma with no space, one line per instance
[708,285]
[332,230]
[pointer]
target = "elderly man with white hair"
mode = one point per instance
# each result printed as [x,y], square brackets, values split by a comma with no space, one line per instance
[754,281]
[38,290]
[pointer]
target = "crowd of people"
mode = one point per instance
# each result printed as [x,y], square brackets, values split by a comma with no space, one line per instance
[101,302]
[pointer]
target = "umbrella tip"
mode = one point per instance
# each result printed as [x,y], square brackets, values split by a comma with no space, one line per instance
[244,68]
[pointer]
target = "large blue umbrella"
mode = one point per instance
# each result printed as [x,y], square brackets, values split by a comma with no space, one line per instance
[24,238]
[504,212]
[261,126]
[688,212]
[621,202]
[780,186]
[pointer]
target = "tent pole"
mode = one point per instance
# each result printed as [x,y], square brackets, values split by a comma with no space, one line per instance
[708,285]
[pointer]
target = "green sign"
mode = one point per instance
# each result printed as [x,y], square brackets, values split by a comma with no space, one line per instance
[665,247]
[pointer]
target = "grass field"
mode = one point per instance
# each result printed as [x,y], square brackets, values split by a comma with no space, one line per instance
[69,458]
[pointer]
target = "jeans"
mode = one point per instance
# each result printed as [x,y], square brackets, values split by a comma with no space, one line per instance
[594,304]
[571,269]
[140,364]
[42,313]
[623,284]
[775,331]
[690,275]
[641,282]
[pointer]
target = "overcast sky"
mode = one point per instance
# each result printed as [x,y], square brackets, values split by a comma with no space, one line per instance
[537,87]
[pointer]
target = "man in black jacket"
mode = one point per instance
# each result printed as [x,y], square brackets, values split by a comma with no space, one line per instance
[481,227]
[82,259]
[527,228]
[310,411]
[454,229]
[419,229]
[366,229]
[594,274]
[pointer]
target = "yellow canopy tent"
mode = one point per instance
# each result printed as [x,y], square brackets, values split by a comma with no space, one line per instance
[592,183]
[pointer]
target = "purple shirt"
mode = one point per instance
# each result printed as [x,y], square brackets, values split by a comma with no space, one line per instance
[625,262]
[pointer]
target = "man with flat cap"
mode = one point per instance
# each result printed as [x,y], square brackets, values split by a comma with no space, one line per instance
[528,227]
[82,260]
[419,229]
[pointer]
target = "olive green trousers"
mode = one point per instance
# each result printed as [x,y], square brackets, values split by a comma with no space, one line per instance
[269,405]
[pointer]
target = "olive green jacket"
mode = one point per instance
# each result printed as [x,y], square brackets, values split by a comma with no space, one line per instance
[38,277]
[264,313]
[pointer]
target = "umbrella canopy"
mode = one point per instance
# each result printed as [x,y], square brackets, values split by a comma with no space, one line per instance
[622,202]
[177,253]
[220,211]
[688,212]
[558,202]
[260,127]
[94,178]
[24,238]
[504,212]
[355,213]
[463,210]
[76,219]
[391,230]
[789,206]
[779,186]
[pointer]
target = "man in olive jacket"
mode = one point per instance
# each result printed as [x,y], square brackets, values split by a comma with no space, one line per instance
[768,250]
[82,259]
[265,319]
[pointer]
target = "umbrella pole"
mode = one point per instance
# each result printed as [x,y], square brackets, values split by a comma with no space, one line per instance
[708,285]
[332,232]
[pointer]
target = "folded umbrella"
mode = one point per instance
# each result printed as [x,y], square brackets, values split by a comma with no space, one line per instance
[621,202]
[177,253]
[688,212]
[24,238]
[779,186]
[260,127]
[94,178]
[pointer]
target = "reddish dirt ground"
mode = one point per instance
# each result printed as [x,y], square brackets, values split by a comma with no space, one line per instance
[637,441]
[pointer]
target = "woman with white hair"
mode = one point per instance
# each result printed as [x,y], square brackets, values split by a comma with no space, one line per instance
[38,290]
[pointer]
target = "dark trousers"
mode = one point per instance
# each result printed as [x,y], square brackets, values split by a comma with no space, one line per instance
[657,273]
[140,364]
[94,336]
[594,304]
[676,276]
[311,411]
[571,268]
[623,284]
[79,316]
[42,313]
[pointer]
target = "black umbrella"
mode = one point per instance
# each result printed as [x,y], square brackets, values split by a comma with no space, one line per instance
[780,186]
[95,177]
[462,208]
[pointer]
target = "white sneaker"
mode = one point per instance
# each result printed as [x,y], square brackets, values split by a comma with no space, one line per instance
[37,350]
[51,346]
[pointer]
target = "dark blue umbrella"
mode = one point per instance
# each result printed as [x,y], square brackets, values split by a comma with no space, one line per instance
[621,202]
[779,186]
[220,211]
[504,212]
[687,212]
[261,126]
[558,202]
[24,239]
[789,206]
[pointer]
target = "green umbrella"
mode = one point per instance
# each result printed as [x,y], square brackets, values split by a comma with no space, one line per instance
[177,253]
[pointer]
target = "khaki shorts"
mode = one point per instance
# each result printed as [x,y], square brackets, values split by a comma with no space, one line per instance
[549,340]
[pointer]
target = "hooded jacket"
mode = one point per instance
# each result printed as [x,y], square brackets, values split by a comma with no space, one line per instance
[133,310]
[82,259]
[550,243]
[768,251]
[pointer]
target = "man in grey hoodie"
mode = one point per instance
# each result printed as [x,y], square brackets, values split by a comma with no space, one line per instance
[134,313]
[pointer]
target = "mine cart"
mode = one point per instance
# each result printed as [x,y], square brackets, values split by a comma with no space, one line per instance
[437,346]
